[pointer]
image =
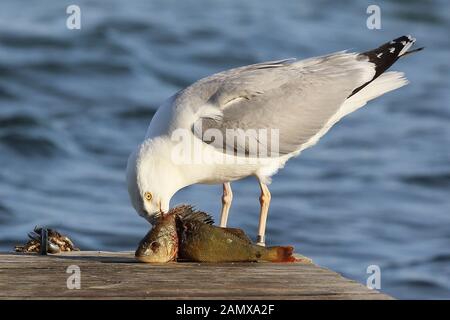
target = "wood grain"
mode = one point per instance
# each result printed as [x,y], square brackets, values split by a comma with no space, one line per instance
[116,275]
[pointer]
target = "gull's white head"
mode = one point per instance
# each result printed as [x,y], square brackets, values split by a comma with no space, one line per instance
[152,179]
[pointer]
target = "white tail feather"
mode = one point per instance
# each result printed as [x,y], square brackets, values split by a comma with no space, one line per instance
[386,82]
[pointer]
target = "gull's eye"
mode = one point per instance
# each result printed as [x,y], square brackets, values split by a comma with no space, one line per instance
[148,196]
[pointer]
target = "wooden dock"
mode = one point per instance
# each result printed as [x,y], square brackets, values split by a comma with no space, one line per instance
[116,275]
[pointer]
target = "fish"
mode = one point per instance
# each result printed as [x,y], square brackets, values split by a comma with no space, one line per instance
[185,234]
[160,244]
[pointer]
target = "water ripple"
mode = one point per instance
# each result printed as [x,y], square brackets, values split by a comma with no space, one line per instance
[74,103]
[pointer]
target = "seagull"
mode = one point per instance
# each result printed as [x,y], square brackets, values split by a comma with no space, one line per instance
[248,121]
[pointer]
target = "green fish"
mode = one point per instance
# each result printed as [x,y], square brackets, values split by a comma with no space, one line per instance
[186,234]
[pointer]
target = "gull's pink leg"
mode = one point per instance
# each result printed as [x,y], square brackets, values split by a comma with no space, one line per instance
[264,200]
[227,197]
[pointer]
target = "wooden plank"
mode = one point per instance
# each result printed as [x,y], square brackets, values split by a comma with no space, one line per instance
[116,275]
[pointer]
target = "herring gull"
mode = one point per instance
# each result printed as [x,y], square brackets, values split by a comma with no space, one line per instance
[250,120]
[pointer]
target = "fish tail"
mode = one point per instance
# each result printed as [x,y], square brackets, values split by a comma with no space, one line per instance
[280,254]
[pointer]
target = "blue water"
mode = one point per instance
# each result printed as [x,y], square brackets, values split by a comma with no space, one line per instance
[73,104]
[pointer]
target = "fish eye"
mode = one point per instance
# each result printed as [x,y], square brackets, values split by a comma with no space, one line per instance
[148,196]
[154,246]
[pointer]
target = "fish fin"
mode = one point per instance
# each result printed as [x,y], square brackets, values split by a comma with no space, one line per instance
[281,254]
[187,213]
[238,233]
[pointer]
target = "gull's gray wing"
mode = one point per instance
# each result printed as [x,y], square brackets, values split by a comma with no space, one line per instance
[295,99]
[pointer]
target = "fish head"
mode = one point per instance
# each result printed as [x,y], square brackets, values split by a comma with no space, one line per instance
[160,245]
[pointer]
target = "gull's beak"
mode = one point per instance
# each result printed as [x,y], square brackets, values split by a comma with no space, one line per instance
[153,217]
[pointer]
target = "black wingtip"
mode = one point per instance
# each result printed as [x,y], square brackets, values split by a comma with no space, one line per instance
[412,51]
[386,55]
